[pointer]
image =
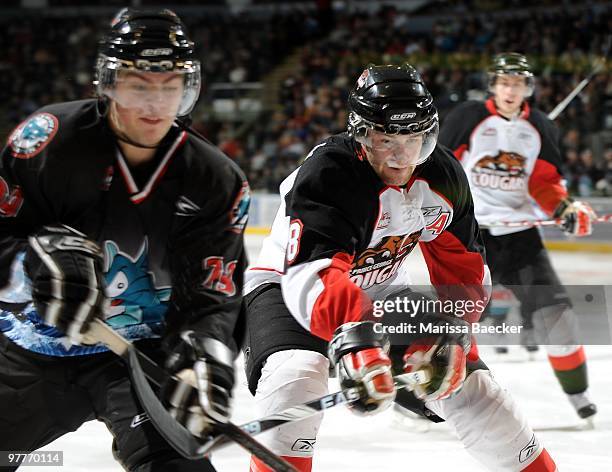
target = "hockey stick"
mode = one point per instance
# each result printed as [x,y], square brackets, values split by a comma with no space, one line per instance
[142,367]
[313,407]
[537,223]
[599,65]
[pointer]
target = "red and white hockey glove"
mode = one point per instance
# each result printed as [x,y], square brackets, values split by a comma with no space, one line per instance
[360,355]
[444,355]
[577,217]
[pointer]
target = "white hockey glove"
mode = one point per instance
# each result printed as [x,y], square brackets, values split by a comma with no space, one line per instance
[445,356]
[210,363]
[577,217]
[360,356]
[66,270]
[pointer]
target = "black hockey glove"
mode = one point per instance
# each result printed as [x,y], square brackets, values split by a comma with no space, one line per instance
[66,270]
[444,355]
[360,356]
[209,363]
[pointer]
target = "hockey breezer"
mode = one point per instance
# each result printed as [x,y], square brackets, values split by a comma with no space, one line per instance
[142,367]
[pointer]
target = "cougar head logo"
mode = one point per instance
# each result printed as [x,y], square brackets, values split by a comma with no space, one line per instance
[389,249]
[507,162]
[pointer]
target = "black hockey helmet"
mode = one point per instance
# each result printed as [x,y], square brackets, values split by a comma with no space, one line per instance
[148,41]
[511,63]
[393,100]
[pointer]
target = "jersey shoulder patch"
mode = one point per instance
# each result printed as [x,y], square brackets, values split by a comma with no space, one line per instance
[33,135]
[239,214]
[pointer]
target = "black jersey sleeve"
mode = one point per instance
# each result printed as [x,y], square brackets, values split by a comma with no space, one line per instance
[456,257]
[545,181]
[458,124]
[328,208]
[206,249]
[23,204]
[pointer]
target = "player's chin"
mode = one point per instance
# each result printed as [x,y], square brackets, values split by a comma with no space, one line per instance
[397,176]
[155,133]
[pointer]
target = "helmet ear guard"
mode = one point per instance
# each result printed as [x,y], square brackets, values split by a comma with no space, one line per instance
[356,126]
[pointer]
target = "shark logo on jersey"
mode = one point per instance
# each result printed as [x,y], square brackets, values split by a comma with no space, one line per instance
[33,135]
[376,265]
[505,171]
[130,286]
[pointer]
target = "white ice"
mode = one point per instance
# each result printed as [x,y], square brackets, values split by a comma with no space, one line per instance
[350,443]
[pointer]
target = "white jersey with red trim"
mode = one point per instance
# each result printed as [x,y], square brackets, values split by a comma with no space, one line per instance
[341,237]
[509,162]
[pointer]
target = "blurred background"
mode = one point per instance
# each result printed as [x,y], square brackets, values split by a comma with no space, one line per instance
[277,74]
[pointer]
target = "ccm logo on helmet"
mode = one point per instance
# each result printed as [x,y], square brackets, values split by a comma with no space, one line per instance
[402,116]
[145,64]
[156,52]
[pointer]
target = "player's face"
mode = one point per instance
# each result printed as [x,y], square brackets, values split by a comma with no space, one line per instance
[394,157]
[509,92]
[146,103]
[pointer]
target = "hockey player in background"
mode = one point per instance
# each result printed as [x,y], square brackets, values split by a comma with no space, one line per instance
[511,157]
[349,218]
[113,209]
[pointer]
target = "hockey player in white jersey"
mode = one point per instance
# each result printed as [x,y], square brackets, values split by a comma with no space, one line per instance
[511,156]
[349,218]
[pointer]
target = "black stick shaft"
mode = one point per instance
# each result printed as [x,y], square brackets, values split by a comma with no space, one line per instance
[142,367]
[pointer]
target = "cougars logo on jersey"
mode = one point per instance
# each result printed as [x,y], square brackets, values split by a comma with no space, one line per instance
[505,171]
[375,265]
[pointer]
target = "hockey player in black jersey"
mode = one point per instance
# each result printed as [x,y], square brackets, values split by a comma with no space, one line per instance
[111,208]
[510,153]
[340,243]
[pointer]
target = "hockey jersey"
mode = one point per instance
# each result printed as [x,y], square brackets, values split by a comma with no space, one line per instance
[341,237]
[510,163]
[171,229]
